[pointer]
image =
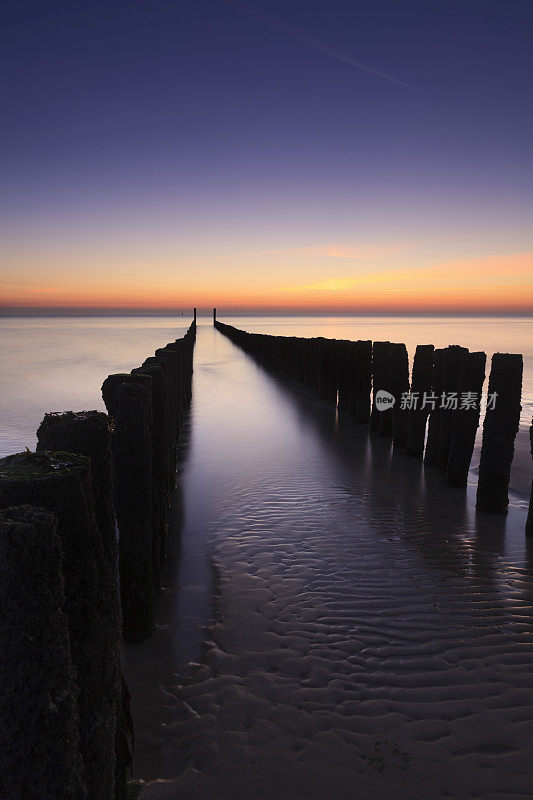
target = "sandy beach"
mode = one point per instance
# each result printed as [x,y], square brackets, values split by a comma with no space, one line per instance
[370,634]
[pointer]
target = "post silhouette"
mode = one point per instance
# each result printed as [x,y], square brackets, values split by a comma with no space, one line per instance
[40,752]
[420,386]
[529,521]
[499,430]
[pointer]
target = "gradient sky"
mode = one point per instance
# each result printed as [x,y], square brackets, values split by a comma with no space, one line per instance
[351,156]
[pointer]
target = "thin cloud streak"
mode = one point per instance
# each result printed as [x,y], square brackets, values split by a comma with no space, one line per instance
[512,271]
[346,250]
[316,45]
[346,59]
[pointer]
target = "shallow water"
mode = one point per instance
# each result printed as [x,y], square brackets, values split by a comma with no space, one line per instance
[368,632]
[369,628]
[60,363]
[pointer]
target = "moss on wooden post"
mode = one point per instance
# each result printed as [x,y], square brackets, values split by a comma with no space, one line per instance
[39,723]
[61,483]
[87,433]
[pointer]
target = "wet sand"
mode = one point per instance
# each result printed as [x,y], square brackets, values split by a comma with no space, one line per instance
[370,636]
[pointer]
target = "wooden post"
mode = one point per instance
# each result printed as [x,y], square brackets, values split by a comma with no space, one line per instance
[432,443]
[194,316]
[327,387]
[133,493]
[380,352]
[529,521]
[499,431]
[420,385]
[363,381]
[382,420]
[160,466]
[466,420]
[451,385]
[398,368]
[39,722]
[88,433]
[214,316]
[61,483]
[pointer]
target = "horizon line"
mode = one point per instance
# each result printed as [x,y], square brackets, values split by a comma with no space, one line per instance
[207,311]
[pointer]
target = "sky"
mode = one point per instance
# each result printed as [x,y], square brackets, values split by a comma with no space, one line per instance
[326,155]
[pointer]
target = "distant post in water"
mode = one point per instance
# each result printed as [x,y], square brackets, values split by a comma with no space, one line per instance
[194,315]
[214,316]
[499,431]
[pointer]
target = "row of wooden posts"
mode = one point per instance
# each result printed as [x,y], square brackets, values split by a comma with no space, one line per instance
[83,527]
[351,374]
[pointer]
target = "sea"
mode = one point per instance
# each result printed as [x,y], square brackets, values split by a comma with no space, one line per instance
[325,600]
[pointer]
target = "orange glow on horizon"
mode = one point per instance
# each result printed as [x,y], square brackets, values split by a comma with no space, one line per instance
[498,284]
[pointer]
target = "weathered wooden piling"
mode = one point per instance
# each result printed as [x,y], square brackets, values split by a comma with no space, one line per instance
[133,492]
[432,443]
[466,420]
[87,433]
[327,373]
[40,753]
[451,384]
[529,520]
[194,315]
[160,458]
[398,371]
[363,381]
[61,483]
[499,431]
[380,420]
[214,316]
[346,376]
[168,378]
[420,387]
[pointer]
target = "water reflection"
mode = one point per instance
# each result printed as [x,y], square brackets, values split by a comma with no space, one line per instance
[324,539]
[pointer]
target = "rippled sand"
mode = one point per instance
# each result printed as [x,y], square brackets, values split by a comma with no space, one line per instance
[370,638]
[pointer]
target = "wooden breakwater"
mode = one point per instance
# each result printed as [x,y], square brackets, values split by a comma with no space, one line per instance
[84,514]
[371,381]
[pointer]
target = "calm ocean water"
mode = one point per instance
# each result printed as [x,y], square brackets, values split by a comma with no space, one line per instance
[355,596]
[54,364]
[359,600]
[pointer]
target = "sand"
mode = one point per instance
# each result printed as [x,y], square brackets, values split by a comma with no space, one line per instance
[370,637]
